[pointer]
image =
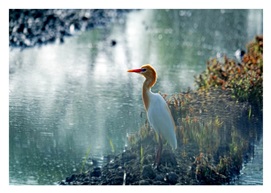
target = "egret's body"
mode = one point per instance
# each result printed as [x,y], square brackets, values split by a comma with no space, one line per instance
[160,118]
[158,113]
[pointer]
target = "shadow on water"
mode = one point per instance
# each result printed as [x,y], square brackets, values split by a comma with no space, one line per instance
[72,104]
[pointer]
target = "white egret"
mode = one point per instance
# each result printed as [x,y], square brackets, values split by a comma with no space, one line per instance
[158,113]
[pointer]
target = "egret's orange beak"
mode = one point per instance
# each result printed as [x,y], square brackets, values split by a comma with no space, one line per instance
[135,70]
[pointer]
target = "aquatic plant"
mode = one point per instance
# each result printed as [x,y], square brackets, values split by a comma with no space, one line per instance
[141,157]
[111,145]
[85,158]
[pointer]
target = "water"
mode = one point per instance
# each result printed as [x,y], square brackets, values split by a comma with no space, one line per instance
[252,172]
[68,99]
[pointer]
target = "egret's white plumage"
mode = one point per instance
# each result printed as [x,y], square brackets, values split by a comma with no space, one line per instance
[160,118]
[158,113]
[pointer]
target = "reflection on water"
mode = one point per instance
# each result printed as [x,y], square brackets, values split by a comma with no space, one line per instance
[71,98]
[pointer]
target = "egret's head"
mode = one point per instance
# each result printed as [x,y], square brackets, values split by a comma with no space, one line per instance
[147,71]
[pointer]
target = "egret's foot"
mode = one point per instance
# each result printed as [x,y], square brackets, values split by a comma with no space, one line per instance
[155,166]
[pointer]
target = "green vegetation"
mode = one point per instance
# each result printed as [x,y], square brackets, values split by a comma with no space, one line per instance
[85,158]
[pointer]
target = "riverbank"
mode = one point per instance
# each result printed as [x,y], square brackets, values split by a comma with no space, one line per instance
[37,27]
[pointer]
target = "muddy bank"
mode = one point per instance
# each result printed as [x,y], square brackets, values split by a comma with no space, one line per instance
[135,167]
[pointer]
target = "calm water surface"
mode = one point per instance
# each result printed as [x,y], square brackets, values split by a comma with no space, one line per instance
[77,97]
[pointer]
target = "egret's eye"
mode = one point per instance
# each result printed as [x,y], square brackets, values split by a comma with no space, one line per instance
[143,70]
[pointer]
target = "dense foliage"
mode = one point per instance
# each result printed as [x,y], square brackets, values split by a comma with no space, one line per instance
[244,80]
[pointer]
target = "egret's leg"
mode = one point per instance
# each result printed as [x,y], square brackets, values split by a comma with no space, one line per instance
[159,152]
